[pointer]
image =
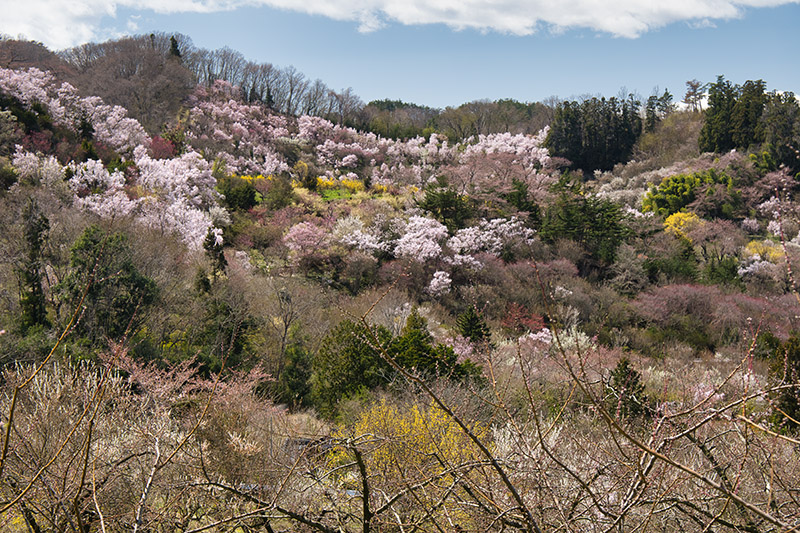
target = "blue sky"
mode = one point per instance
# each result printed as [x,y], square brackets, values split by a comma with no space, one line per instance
[433,54]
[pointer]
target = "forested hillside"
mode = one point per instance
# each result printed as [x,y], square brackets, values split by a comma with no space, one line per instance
[232,299]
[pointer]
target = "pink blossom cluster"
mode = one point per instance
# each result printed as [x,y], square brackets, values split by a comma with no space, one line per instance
[751,225]
[99,191]
[527,149]
[109,204]
[421,240]
[433,151]
[186,178]
[412,162]
[113,127]
[754,267]
[239,134]
[352,232]
[771,208]
[400,174]
[343,154]
[305,238]
[629,211]
[774,227]
[31,86]
[178,218]
[349,161]
[174,195]
[314,129]
[92,177]
[111,124]
[462,347]
[179,194]
[538,342]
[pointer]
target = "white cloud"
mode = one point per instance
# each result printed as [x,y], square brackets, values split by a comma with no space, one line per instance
[62,23]
[702,24]
[133,23]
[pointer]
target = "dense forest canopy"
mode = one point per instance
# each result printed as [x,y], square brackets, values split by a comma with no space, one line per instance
[231,297]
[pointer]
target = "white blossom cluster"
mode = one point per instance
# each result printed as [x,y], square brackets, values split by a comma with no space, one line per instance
[422,239]
[111,124]
[528,149]
[352,232]
[43,169]
[490,236]
[440,283]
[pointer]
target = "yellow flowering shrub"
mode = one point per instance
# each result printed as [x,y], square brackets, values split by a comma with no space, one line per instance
[766,249]
[255,179]
[410,443]
[680,223]
[352,185]
[405,446]
[325,182]
[301,169]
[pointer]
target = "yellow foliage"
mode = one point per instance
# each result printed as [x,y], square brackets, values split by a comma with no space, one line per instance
[767,250]
[301,169]
[380,189]
[412,442]
[324,182]
[255,179]
[404,446]
[352,185]
[680,223]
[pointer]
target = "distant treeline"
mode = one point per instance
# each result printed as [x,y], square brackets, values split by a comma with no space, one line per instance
[153,75]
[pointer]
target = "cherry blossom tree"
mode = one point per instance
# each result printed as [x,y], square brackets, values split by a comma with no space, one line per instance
[422,240]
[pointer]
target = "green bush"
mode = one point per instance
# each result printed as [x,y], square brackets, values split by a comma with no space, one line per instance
[723,271]
[625,397]
[594,223]
[447,206]
[8,176]
[117,295]
[238,193]
[674,193]
[347,362]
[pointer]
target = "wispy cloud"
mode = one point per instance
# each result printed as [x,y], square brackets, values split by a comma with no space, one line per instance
[62,23]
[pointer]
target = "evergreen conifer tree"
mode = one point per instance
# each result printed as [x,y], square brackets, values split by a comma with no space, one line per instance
[32,300]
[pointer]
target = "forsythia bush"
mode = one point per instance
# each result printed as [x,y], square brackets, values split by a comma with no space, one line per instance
[414,441]
[766,250]
[681,223]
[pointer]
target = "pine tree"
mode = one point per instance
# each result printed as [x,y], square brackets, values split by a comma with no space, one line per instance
[746,125]
[32,300]
[416,350]
[117,294]
[472,326]
[292,387]
[625,392]
[346,363]
[174,51]
[717,134]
